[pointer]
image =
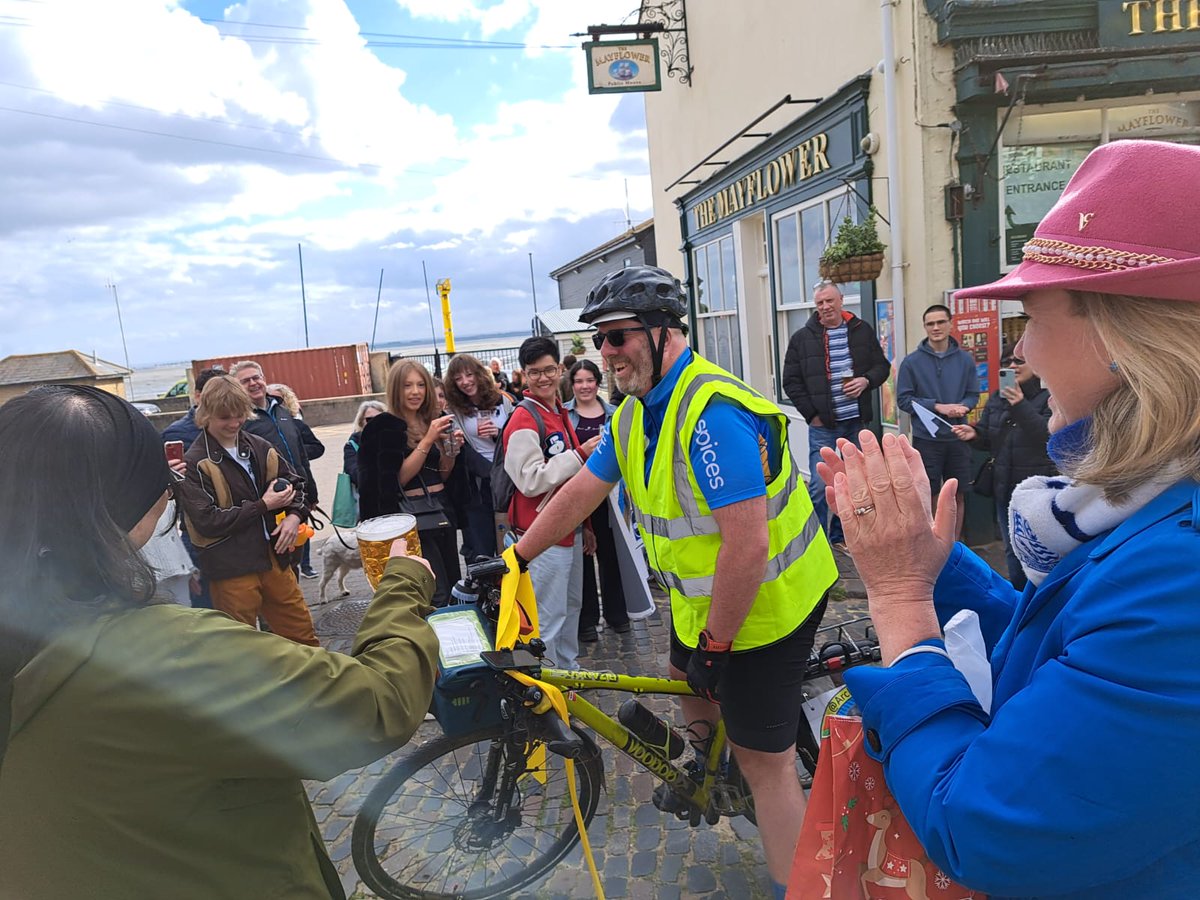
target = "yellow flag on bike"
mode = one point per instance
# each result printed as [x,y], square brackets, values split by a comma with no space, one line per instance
[518,607]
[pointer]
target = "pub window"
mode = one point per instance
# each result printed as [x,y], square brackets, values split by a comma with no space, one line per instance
[1041,151]
[717,304]
[801,235]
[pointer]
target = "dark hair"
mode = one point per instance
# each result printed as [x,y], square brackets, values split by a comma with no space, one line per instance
[488,391]
[64,454]
[587,365]
[534,348]
[936,308]
[569,360]
[206,375]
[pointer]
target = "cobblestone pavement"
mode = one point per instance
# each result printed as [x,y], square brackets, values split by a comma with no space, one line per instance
[639,851]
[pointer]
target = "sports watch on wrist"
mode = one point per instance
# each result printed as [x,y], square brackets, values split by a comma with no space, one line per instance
[709,644]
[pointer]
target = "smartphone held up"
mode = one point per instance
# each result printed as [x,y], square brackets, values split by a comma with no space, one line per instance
[1008,379]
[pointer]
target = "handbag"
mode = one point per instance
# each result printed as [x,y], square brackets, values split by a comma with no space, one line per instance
[345,503]
[984,483]
[427,509]
[855,843]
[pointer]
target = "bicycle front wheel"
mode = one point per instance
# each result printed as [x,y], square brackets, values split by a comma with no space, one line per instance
[436,825]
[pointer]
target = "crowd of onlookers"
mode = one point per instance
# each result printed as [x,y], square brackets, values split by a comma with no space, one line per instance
[429,449]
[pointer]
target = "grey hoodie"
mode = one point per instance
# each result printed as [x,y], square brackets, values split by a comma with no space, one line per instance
[928,377]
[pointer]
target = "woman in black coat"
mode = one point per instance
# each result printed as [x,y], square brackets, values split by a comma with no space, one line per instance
[1013,427]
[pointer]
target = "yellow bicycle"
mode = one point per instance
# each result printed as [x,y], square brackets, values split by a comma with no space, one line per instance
[482,814]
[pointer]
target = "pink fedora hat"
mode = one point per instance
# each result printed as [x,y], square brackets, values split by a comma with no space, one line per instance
[1127,223]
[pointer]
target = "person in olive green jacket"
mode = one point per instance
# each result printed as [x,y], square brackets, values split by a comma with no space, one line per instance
[153,751]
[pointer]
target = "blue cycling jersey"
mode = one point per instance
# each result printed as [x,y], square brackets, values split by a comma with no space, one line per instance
[726,438]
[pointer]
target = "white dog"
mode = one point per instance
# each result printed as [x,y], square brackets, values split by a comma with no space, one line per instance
[339,559]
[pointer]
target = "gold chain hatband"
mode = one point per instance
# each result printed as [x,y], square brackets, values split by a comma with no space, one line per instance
[1060,253]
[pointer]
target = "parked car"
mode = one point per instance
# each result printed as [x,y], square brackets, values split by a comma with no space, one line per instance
[180,389]
[144,408]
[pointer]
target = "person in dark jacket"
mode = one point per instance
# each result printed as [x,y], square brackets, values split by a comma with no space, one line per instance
[367,410]
[186,430]
[230,504]
[1014,426]
[832,367]
[274,422]
[407,452]
[942,379]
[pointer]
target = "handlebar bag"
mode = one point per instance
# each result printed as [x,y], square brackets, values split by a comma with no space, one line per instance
[466,695]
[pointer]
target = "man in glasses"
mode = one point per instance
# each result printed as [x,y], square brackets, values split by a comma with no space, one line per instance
[728,530]
[539,460]
[941,378]
[832,367]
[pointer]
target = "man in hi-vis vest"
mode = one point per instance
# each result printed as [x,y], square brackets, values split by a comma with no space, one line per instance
[706,457]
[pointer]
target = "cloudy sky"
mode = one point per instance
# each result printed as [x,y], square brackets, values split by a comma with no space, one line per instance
[183,148]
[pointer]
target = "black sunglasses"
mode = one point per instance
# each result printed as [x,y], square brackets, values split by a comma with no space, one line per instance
[616,336]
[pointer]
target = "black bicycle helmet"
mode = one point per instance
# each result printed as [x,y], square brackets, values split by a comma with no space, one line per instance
[637,290]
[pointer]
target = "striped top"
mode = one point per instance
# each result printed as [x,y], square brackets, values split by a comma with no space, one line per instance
[844,408]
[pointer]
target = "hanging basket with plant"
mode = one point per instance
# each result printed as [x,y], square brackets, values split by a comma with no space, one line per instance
[856,254]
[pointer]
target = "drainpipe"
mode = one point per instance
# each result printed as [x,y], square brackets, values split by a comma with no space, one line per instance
[892,137]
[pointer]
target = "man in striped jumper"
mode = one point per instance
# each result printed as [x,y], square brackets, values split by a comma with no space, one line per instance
[834,364]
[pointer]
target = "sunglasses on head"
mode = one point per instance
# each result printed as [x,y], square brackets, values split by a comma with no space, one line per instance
[616,337]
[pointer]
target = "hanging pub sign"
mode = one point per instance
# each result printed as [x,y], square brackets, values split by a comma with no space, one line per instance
[616,67]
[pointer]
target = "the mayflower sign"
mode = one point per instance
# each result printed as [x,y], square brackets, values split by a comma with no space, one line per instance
[620,66]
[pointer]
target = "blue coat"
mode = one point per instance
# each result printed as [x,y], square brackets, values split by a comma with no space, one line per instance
[1083,782]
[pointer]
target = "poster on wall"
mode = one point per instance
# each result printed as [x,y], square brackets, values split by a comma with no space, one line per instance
[1034,177]
[977,330]
[885,326]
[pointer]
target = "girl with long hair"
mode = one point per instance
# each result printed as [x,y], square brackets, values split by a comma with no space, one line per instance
[407,452]
[480,410]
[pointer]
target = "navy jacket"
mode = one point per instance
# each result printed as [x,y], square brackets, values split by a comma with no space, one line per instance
[927,378]
[287,434]
[184,429]
[1084,782]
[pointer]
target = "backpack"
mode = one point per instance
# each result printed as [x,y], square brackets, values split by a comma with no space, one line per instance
[502,485]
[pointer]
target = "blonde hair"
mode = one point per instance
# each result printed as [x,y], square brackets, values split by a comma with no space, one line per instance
[290,400]
[223,397]
[360,421]
[1151,422]
[397,375]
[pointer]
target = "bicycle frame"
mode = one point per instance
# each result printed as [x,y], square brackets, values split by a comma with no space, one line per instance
[647,756]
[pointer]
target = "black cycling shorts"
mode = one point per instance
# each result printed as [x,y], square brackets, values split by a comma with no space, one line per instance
[762,690]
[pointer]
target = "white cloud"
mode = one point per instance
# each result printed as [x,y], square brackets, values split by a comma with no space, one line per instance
[200,227]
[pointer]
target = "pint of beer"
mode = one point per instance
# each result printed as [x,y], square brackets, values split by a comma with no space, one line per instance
[375,537]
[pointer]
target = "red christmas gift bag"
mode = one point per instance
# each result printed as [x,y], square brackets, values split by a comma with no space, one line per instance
[855,844]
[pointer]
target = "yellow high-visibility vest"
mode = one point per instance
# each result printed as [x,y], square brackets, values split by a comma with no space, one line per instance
[680,533]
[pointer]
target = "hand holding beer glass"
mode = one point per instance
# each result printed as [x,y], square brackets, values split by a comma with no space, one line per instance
[376,537]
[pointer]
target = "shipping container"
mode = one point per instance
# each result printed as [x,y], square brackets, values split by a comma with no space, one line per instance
[313,373]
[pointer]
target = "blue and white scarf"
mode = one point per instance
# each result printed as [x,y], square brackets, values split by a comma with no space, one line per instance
[1049,516]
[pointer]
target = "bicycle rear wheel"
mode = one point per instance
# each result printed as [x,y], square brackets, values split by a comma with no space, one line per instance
[432,827]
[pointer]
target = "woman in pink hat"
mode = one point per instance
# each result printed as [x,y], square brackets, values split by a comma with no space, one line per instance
[1080,780]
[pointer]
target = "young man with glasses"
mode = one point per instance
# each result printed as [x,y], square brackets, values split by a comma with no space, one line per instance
[942,378]
[832,367]
[538,468]
[705,457]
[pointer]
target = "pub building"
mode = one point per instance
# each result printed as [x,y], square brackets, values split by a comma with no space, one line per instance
[960,121]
